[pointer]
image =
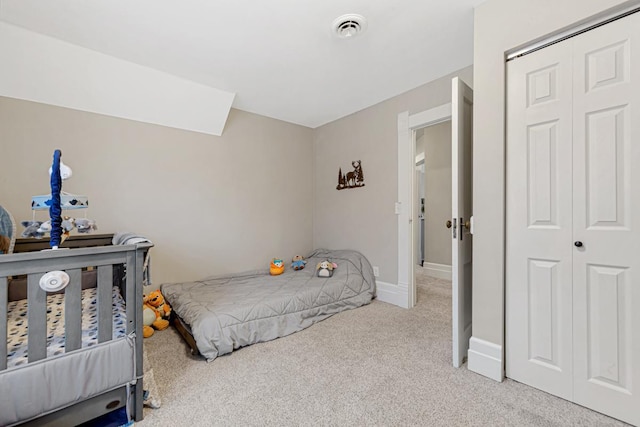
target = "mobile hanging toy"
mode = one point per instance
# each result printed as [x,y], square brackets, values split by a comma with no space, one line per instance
[58,226]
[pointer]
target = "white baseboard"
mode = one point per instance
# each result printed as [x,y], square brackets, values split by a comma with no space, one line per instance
[438,271]
[485,358]
[393,294]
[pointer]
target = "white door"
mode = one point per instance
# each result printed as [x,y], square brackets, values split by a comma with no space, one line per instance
[573,215]
[461,170]
[538,221]
[606,219]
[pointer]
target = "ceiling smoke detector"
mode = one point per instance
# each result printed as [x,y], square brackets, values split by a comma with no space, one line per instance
[349,26]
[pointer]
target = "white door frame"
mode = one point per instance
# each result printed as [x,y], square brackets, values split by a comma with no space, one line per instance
[407,125]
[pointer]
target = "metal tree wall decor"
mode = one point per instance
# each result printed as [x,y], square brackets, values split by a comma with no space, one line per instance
[351,179]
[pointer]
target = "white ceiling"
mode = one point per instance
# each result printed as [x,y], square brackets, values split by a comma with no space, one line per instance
[279,56]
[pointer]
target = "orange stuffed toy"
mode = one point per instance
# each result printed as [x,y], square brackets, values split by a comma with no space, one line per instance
[276,267]
[154,312]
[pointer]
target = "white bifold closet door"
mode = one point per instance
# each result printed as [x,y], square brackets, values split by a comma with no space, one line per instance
[573,219]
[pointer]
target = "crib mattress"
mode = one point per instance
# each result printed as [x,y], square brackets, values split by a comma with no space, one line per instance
[18,326]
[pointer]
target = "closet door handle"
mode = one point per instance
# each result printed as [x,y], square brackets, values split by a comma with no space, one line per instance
[578,244]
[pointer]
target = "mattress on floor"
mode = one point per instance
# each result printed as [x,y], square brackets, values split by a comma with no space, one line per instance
[17,324]
[231,311]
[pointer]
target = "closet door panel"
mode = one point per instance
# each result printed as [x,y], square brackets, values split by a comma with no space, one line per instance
[542,166]
[543,295]
[538,294]
[608,327]
[606,219]
[607,169]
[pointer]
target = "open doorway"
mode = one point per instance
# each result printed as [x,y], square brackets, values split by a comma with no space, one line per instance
[433,201]
[460,113]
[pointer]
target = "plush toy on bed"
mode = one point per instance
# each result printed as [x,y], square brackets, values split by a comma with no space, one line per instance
[298,262]
[277,267]
[325,268]
[154,313]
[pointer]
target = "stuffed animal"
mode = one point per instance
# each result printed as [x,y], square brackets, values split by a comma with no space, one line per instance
[45,227]
[325,268]
[31,229]
[298,262]
[277,267]
[5,244]
[148,319]
[154,313]
[68,223]
[84,225]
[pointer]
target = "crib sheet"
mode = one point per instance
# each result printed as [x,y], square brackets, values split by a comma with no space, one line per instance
[18,326]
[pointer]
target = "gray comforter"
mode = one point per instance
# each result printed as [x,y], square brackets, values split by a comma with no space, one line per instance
[232,311]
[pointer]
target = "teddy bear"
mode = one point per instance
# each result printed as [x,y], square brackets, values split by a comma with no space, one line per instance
[298,262]
[154,313]
[5,244]
[325,268]
[31,229]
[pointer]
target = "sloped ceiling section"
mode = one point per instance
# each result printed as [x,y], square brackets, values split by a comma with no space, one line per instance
[43,69]
[279,56]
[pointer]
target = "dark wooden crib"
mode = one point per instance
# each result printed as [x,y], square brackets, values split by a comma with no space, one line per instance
[84,382]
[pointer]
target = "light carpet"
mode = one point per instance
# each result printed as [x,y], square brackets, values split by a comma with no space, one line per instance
[378,365]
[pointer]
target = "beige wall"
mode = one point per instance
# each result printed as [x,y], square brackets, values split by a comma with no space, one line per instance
[210,204]
[364,218]
[437,160]
[501,25]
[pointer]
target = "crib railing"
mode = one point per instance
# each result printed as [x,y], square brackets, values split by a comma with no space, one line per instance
[35,264]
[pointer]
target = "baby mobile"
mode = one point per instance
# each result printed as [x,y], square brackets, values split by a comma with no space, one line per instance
[58,226]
